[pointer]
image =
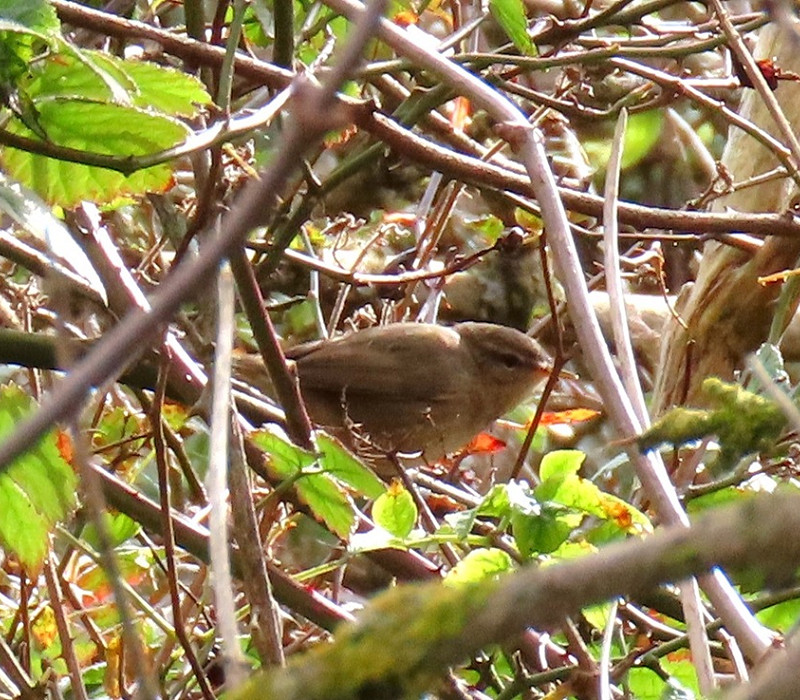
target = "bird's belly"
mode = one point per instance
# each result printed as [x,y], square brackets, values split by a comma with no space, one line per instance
[410,426]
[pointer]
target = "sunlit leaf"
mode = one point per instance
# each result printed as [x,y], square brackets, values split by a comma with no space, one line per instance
[36,491]
[479,565]
[101,76]
[570,417]
[510,15]
[561,484]
[285,459]
[328,502]
[395,510]
[338,462]
[116,130]
[560,464]
[325,498]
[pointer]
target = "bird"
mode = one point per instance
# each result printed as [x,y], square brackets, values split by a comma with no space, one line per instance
[418,390]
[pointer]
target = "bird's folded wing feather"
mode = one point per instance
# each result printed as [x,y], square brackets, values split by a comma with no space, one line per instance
[386,365]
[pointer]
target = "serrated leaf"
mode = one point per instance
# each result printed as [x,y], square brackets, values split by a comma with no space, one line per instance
[37,15]
[479,565]
[325,498]
[543,533]
[395,511]
[328,502]
[510,15]
[338,462]
[91,75]
[285,459]
[36,491]
[96,127]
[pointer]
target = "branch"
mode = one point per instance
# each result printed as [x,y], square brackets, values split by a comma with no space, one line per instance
[409,636]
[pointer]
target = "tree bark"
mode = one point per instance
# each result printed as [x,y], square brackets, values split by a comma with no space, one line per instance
[726,311]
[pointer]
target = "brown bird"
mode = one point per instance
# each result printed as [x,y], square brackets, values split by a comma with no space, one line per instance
[417,388]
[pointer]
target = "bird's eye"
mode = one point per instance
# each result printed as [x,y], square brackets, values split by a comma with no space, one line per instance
[509,361]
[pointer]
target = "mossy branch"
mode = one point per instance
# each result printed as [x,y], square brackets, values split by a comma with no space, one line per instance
[406,638]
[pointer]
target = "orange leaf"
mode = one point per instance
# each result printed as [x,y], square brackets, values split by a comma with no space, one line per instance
[441,504]
[574,415]
[113,663]
[460,117]
[484,444]
[64,445]
[777,277]
[405,18]
[341,137]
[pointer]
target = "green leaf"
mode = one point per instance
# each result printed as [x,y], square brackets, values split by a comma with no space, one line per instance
[119,527]
[37,15]
[338,462]
[285,459]
[643,133]
[780,617]
[96,127]
[328,502]
[543,533]
[560,464]
[510,15]
[561,484]
[479,565]
[36,491]
[92,75]
[496,503]
[461,522]
[395,511]
[325,498]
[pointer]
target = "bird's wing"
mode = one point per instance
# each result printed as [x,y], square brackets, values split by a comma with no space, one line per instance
[383,363]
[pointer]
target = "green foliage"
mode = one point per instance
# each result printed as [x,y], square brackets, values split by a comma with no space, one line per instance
[115,130]
[648,685]
[339,463]
[36,491]
[395,511]
[26,28]
[319,479]
[60,95]
[642,134]
[325,497]
[102,77]
[479,565]
[119,527]
[99,104]
[511,16]
[542,519]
